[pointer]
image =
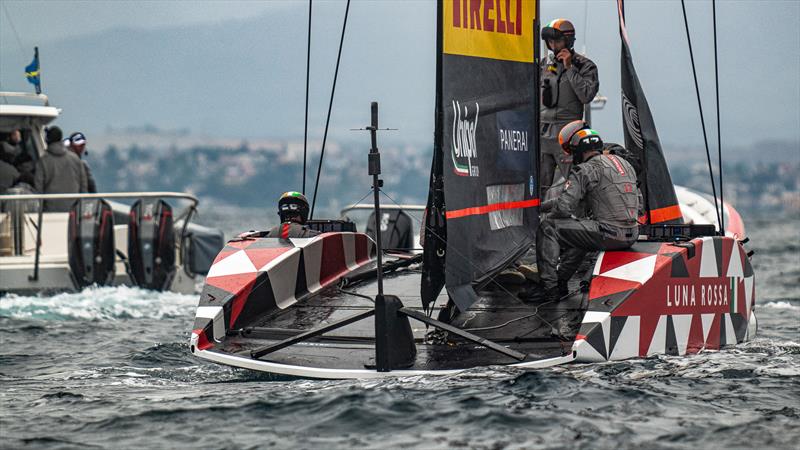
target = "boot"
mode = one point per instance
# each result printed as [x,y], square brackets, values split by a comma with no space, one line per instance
[551,295]
[530,271]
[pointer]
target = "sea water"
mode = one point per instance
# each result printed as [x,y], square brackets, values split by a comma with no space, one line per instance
[110,368]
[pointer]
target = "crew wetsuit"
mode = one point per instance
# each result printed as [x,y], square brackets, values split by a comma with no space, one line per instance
[564,93]
[606,184]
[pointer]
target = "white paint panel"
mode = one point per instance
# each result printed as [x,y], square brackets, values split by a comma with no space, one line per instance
[312,257]
[233,264]
[749,289]
[349,243]
[627,345]
[659,342]
[638,271]
[735,264]
[682,323]
[218,319]
[598,264]
[283,277]
[586,353]
[730,333]
[708,259]
[595,316]
[302,242]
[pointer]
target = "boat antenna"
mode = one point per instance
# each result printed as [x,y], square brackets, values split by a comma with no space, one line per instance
[330,106]
[702,119]
[719,124]
[308,73]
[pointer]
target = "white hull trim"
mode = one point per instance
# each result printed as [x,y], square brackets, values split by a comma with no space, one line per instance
[354,374]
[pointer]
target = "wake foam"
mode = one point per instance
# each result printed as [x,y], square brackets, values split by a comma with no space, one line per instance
[100,303]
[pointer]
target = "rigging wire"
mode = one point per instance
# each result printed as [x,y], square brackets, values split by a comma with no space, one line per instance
[13,28]
[330,106]
[719,125]
[702,119]
[308,75]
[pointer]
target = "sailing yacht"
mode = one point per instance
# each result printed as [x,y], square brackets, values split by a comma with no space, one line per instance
[345,304]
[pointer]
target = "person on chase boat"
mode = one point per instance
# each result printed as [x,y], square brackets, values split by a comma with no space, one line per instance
[607,184]
[293,210]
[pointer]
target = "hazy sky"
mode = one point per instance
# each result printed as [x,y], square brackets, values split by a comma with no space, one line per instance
[759,43]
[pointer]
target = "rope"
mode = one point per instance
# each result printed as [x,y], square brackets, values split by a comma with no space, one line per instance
[719,125]
[330,106]
[308,75]
[700,107]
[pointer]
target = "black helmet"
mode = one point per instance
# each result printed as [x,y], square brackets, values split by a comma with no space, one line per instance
[559,29]
[293,203]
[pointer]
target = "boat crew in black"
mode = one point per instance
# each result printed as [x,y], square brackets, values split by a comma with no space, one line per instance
[293,210]
[606,185]
[569,81]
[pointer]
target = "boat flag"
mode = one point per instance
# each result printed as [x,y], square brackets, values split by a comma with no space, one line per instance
[32,72]
[641,140]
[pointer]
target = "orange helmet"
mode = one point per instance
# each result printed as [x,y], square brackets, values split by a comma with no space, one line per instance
[559,29]
[568,132]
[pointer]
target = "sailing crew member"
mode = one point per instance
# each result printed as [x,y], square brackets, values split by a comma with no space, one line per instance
[607,185]
[77,144]
[569,81]
[293,210]
[59,172]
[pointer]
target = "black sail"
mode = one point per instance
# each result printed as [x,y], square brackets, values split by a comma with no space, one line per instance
[641,140]
[487,103]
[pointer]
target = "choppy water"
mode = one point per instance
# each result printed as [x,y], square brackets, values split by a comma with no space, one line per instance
[109,368]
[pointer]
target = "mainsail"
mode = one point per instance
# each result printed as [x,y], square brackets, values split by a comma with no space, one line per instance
[486,150]
[641,140]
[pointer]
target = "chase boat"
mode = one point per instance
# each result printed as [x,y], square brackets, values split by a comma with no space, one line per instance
[100,240]
[347,304]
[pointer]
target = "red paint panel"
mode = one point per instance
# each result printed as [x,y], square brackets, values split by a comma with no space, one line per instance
[261,256]
[239,301]
[232,283]
[614,259]
[202,340]
[696,341]
[603,286]
[713,334]
[333,264]
[362,248]
[647,328]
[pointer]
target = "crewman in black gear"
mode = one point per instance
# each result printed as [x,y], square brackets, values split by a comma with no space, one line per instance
[293,210]
[606,184]
[568,82]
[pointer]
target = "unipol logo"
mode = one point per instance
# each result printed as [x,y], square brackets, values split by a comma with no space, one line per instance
[465,150]
[631,115]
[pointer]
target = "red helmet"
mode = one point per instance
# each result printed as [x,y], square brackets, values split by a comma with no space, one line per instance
[559,29]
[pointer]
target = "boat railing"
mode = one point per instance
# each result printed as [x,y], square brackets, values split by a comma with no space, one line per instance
[27,95]
[17,214]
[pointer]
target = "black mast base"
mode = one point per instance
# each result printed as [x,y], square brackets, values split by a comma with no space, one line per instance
[394,340]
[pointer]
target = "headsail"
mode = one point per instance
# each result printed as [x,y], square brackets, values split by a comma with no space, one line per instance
[486,149]
[641,140]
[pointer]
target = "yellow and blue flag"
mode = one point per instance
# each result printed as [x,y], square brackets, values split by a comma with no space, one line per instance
[32,72]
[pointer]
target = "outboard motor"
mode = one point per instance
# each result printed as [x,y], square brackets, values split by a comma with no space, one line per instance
[397,232]
[90,239]
[151,244]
